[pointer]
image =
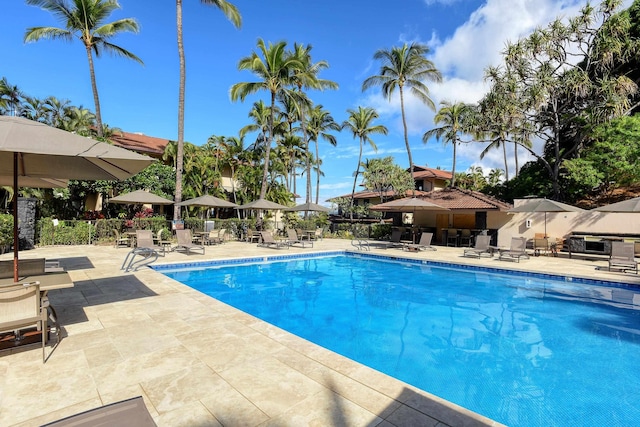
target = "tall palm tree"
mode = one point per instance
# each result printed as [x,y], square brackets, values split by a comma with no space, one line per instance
[320,123]
[405,67]
[232,14]
[307,78]
[10,98]
[85,19]
[453,117]
[57,110]
[275,68]
[360,123]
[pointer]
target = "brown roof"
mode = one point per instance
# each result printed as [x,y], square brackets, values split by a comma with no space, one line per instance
[458,199]
[375,194]
[144,144]
[425,172]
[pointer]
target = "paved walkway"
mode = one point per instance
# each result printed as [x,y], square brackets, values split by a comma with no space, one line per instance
[199,362]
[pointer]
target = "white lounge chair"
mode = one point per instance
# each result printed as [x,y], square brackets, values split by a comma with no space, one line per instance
[480,248]
[516,251]
[422,245]
[185,242]
[623,256]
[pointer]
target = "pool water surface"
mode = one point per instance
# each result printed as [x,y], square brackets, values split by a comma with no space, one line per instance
[521,350]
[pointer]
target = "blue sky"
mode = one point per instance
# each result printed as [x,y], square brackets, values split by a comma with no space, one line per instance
[465,36]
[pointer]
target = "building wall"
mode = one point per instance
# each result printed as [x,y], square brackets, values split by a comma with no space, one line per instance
[561,224]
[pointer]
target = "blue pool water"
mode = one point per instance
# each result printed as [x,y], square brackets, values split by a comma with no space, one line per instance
[521,350]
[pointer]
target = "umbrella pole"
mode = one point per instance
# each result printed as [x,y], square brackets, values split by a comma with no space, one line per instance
[16,241]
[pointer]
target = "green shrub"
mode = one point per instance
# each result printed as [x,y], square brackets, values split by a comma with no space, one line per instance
[6,230]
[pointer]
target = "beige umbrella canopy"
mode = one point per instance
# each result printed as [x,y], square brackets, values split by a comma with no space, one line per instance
[544,205]
[208,201]
[629,205]
[262,204]
[140,197]
[34,153]
[308,207]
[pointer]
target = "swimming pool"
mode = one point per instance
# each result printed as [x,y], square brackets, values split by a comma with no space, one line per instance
[517,348]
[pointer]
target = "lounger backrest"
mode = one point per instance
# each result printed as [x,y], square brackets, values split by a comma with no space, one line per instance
[482,242]
[267,237]
[622,250]
[395,236]
[425,239]
[144,238]
[292,235]
[221,233]
[19,305]
[518,244]
[184,237]
[26,267]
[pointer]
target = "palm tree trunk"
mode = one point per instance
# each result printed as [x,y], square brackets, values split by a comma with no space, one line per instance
[355,180]
[453,167]
[94,88]
[317,173]
[506,164]
[267,151]
[180,154]
[515,156]
[406,141]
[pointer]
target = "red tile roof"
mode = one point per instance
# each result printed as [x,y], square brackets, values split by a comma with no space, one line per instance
[374,194]
[425,172]
[458,199]
[140,143]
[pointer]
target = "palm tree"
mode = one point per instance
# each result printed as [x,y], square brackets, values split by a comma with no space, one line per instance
[360,123]
[453,117]
[307,78]
[320,122]
[10,98]
[57,110]
[85,20]
[405,66]
[275,68]
[232,14]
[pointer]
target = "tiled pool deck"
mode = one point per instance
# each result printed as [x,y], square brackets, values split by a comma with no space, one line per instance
[199,362]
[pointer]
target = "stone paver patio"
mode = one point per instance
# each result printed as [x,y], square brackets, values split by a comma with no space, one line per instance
[198,362]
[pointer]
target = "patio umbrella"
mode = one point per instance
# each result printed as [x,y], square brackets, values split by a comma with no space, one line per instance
[629,205]
[208,201]
[544,205]
[262,204]
[34,151]
[140,197]
[308,207]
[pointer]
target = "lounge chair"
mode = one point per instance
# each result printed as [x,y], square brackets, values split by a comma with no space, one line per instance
[292,239]
[516,251]
[268,241]
[144,239]
[185,242]
[21,307]
[127,413]
[623,256]
[480,248]
[121,241]
[422,245]
[394,239]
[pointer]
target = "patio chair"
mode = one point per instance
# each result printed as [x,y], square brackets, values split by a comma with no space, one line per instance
[293,239]
[394,239]
[540,246]
[516,251]
[21,307]
[465,238]
[480,248]
[623,256]
[422,245]
[121,241]
[144,239]
[127,413]
[185,242]
[268,241]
